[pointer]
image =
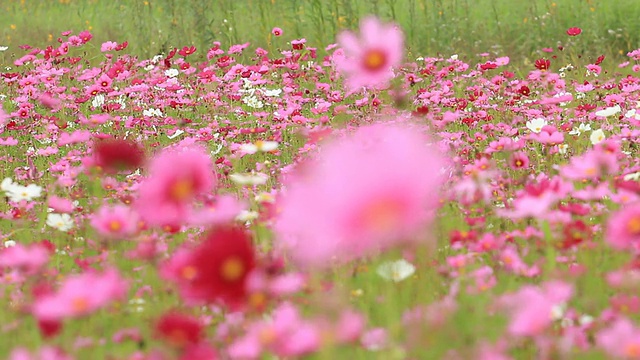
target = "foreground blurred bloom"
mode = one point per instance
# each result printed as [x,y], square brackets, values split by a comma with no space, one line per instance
[44,353]
[621,340]
[623,228]
[361,194]
[115,155]
[81,295]
[117,221]
[370,59]
[176,178]
[216,270]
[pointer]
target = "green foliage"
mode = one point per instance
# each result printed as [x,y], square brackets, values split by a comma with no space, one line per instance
[515,28]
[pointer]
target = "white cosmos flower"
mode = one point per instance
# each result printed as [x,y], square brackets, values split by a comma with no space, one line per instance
[6,184]
[633,176]
[171,73]
[17,193]
[597,136]
[253,102]
[175,134]
[9,243]
[4,48]
[536,124]
[609,111]
[396,271]
[580,129]
[562,149]
[97,101]
[274,92]
[247,215]
[259,145]
[249,179]
[152,112]
[62,222]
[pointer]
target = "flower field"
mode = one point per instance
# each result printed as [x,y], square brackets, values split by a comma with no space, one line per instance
[345,201]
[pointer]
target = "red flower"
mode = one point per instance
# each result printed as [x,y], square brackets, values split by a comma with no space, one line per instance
[216,270]
[179,330]
[114,155]
[187,50]
[542,64]
[574,31]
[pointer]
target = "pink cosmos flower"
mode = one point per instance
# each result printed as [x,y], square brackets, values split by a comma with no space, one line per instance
[45,353]
[532,307]
[81,295]
[623,228]
[60,205]
[370,59]
[176,178]
[621,340]
[361,194]
[28,259]
[117,221]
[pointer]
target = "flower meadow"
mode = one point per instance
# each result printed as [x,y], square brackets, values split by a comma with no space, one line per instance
[336,202]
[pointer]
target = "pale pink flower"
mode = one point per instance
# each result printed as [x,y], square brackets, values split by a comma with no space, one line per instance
[370,59]
[81,295]
[361,194]
[108,46]
[117,221]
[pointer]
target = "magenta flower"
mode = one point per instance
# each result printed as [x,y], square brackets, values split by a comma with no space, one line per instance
[369,60]
[363,193]
[623,228]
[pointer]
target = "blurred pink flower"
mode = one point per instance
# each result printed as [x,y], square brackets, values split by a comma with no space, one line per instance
[621,340]
[28,259]
[623,228]
[532,308]
[117,221]
[81,295]
[176,178]
[368,61]
[361,194]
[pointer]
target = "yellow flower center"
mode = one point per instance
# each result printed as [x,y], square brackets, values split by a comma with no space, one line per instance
[115,225]
[382,215]
[182,189]
[189,272]
[633,226]
[79,305]
[632,351]
[232,269]
[375,60]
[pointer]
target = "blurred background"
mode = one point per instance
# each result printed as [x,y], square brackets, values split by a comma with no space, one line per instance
[517,28]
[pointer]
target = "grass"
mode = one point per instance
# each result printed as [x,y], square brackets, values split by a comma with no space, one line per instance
[504,27]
